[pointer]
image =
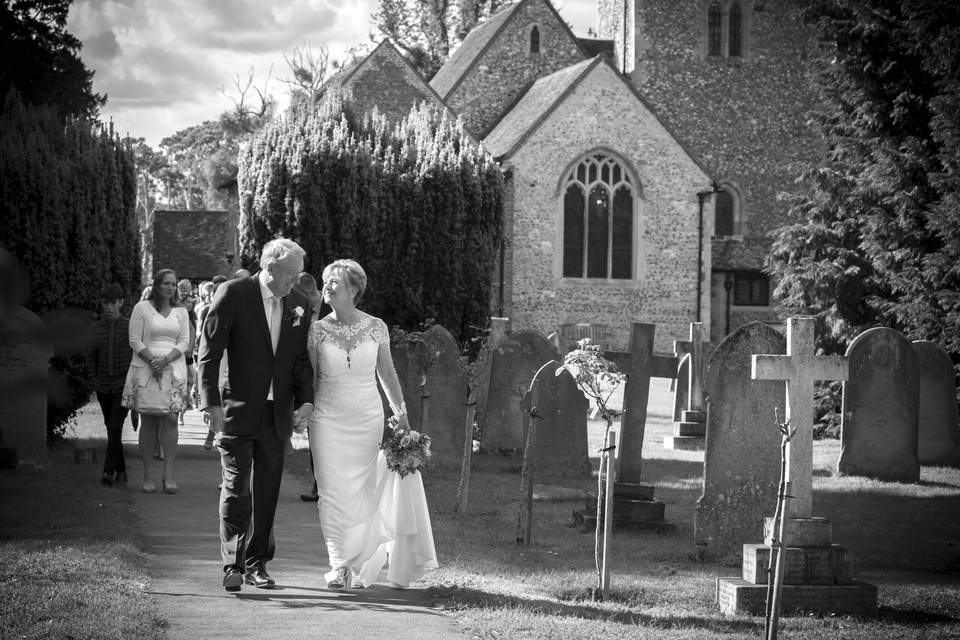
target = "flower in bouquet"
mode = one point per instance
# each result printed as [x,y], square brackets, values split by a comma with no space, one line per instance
[406,452]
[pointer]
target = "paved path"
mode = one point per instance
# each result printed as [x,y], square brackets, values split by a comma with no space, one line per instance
[187,573]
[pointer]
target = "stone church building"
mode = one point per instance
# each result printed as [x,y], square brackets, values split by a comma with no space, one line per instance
[643,167]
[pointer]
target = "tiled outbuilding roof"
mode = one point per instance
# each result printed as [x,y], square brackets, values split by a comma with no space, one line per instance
[192,243]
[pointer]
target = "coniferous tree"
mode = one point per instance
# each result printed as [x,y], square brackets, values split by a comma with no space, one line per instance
[876,239]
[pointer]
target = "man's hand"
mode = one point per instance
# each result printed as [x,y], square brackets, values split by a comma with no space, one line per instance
[213,418]
[301,417]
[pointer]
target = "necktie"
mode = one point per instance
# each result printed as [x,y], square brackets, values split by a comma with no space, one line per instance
[275,309]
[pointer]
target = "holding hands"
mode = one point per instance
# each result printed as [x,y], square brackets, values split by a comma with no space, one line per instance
[301,417]
[157,365]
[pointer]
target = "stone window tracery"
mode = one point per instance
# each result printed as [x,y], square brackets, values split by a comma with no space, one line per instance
[598,220]
[534,40]
[727,28]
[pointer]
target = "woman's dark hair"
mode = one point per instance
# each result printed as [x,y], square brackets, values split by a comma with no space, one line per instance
[155,289]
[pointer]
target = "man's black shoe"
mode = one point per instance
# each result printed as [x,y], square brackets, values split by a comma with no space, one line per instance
[107,479]
[259,578]
[309,497]
[232,579]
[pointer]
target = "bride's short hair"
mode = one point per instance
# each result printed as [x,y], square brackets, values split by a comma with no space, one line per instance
[352,272]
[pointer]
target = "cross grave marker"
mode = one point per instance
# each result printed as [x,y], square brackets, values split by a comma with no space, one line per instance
[800,368]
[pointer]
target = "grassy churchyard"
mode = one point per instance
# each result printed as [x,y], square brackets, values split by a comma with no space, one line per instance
[73,553]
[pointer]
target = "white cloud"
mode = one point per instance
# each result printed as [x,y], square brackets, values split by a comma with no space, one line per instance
[163,63]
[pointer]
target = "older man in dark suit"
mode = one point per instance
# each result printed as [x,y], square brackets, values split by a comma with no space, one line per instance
[262,323]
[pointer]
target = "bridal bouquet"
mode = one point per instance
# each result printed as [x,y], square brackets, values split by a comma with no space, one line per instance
[405,452]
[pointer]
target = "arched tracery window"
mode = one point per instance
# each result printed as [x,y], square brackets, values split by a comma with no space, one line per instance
[735,47]
[598,219]
[714,26]
[535,40]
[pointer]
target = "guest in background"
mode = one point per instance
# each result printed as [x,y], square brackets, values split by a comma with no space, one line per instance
[308,286]
[185,290]
[159,333]
[108,361]
[201,316]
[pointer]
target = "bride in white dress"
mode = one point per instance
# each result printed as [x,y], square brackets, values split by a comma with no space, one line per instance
[368,514]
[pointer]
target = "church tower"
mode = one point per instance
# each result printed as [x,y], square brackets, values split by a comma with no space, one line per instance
[733,80]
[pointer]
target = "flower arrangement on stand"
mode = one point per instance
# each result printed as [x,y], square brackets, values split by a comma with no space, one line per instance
[406,451]
[598,378]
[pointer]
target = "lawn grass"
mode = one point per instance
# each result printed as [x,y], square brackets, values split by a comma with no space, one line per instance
[906,539]
[73,565]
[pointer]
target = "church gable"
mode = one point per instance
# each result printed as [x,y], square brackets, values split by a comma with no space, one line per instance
[385,80]
[512,49]
[603,197]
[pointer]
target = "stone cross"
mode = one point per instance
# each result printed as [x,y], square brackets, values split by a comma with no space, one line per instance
[694,349]
[643,365]
[800,368]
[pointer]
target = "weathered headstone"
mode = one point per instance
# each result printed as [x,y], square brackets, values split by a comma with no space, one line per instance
[818,575]
[555,436]
[939,425]
[23,388]
[633,501]
[445,384]
[690,428]
[741,467]
[559,409]
[514,364]
[880,408]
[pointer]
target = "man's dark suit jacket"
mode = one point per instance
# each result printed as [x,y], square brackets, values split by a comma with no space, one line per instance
[236,323]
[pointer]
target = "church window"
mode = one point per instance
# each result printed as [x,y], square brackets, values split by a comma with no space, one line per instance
[751,288]
[736,23]
[598,220]
[534,40]
[713,29]
[727,212]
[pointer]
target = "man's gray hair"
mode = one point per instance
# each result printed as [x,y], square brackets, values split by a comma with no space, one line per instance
[279,248]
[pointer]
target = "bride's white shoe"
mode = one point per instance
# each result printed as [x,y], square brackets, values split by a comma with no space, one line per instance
[341,580]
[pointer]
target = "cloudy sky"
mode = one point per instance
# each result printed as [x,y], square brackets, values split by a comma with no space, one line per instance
[163,63]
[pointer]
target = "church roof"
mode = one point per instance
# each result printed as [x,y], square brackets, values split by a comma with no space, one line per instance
[192,243]
[545,95]
[595,47]
[533,107]
[472,47]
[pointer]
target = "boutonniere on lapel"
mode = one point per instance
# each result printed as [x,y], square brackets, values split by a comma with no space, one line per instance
[296,314]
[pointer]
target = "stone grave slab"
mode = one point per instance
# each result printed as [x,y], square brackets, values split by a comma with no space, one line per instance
[741,469]
[938,441]
[24,362]
[690,428]
[879,423]
[559,410]
[519,356]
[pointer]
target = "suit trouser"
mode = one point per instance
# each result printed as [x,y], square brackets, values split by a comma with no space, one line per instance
[252,470]
[113,416]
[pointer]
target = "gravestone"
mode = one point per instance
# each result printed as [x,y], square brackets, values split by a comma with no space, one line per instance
[446,386]
[880,408]
[690,428]
[515,361]
[938,442]
[681,392]
[24,362]
[558,407]
[818,575]
[633,501]
[741,467]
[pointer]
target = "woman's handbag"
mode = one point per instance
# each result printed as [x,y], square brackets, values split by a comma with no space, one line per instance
[152,400]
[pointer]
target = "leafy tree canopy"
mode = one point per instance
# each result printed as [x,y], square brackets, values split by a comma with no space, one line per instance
[42,59]
[428,30]
[875,240]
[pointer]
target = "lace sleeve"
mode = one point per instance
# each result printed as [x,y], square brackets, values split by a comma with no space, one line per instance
[379,332]
[314,336]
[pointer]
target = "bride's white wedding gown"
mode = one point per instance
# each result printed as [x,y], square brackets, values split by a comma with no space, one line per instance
[367,512]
